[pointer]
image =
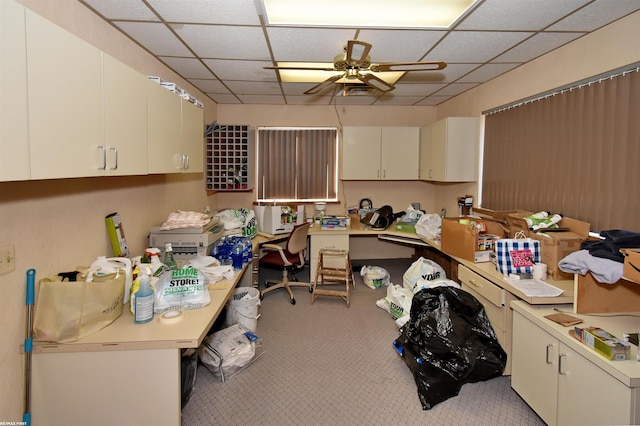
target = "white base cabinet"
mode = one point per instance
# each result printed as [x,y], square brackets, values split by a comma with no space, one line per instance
[380,153]
[325,241]
[564,381]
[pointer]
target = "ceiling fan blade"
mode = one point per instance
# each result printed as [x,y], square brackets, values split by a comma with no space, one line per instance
[357,51]
[300,68]
[408,66]
[376,82]
[321,86]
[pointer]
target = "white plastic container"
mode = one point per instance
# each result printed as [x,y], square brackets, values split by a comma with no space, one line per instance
[105,265]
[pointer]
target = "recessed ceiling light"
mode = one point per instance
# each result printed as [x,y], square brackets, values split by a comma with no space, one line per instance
[365,13]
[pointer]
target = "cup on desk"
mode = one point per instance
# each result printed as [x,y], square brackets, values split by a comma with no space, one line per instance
[540,271]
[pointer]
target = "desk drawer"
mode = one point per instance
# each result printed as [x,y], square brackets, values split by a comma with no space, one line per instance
[482,286]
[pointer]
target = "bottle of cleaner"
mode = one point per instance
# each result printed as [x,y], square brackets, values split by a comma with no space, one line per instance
[157,268]
[143,308]
[169,261]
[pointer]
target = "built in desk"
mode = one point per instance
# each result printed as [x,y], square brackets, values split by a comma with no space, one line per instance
[126,373]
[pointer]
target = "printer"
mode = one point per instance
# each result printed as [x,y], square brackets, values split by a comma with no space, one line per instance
[187,242]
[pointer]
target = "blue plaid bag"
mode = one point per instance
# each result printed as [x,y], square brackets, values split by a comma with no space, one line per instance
[515,256]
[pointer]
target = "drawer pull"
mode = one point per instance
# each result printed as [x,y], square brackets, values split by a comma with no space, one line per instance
[472,281]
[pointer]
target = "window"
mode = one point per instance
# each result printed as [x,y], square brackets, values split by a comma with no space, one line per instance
[297,164]
[575,152]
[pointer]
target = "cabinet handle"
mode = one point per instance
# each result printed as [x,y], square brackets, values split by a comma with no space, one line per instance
[472,281]
[378,174]
[549,354]
[104,157]
[384,173]
[430,173]
[186,161]
[115,158]
[561,367]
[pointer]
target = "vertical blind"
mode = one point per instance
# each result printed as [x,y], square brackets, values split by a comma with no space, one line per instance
[576,153]
[297,164]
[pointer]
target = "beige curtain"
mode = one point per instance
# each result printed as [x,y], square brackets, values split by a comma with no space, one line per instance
[297,164]
[576,153]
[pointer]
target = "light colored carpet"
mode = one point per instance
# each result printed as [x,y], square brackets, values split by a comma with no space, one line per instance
[326,364]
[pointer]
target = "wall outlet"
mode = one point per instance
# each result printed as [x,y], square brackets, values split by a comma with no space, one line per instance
[7,259]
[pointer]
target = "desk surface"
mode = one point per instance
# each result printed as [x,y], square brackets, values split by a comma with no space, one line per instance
[124,334]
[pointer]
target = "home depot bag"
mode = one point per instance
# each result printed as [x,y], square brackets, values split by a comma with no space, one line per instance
[422,270]
[517,255]
[66,311]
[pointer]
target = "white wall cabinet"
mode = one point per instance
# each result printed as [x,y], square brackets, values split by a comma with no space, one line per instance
[449,150]
[563,386]
[14,112]
[380,153]
[176,132]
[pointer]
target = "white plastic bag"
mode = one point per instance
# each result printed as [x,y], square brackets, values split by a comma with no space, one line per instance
[429,226]
[397,302]
[182,289]
[375,276]
[422,269]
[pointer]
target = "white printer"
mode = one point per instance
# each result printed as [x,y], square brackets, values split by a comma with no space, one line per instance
[187,242]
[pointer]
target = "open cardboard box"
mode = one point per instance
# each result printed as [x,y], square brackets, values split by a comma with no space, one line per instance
[631,269]
[554,246]
[468,242]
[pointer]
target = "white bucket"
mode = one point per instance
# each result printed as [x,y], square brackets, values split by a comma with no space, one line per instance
[243,308]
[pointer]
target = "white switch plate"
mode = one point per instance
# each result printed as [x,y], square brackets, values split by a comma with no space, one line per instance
[7,259]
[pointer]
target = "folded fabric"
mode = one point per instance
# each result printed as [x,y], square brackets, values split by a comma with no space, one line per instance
[606,271]
[183,219]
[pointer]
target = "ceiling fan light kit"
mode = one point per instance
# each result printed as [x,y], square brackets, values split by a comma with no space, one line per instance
[354,66]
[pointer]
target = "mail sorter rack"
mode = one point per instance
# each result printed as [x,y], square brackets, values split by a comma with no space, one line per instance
[229,151]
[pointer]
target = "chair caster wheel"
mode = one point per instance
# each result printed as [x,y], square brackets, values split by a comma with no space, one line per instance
[310,289]
[267,284]
[261,296]
[293,301]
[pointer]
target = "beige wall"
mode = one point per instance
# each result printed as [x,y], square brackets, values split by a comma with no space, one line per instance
[58,225]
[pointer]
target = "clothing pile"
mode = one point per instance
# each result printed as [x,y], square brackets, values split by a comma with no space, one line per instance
[601,257]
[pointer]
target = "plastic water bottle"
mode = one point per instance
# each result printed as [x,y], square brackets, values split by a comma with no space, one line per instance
[236,256]
[143,308]
[169,261]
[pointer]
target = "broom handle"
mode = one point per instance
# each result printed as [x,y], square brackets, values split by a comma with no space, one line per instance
[28,345]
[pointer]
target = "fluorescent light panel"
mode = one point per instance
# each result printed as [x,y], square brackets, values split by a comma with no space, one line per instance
[366,13]
[312,76]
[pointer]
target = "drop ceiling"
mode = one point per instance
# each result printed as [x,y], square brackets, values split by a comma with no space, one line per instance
[221,46]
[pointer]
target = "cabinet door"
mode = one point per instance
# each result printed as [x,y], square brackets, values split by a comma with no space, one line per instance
[14,112]
[317,242]
[534,367]
[400,153]
[192,137]
[589,395]
[361,153]
[125,118]
[65,112]
[164,113]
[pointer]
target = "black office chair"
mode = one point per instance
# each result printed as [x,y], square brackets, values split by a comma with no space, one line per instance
[290,259]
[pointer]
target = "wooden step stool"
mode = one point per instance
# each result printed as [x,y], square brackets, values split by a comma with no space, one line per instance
[334,267]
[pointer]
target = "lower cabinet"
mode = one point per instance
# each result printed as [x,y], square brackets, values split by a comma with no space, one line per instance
[317,242]
[496,305]
[564,387]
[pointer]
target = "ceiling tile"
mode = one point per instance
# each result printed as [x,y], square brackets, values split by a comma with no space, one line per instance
[475,46]
[536,46]
[262,99]
[209,86]
[188,67]
[455,89]
[433,100]
[228,69]
[388,99]
[224,99]
[400,45]
[487,72]
[494,15]
[237,12]
[308,44]
[254,88]
[596,15]
[224,42]
[133,10]
[410,89]
[155,37]
[309,100]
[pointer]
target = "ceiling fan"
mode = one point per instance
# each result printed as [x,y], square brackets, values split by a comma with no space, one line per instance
[355,65]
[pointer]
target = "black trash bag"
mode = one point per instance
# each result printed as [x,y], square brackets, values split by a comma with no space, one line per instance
[447,342]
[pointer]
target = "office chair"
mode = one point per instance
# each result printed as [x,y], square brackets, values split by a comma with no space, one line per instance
[290,259]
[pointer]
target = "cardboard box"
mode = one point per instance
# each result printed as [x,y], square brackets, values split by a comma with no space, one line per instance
[467,241]
[631,269]
[516,223]
[605,344]
[554,246]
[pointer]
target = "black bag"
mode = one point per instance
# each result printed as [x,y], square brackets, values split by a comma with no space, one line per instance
[447,342]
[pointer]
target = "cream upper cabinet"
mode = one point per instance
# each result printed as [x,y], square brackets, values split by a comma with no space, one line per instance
[14,112]
[65,107]
[125,119]
[192,138]
[176,134]
[449,150]
[380,153]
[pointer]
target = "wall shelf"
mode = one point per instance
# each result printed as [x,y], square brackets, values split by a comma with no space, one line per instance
[230,159]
